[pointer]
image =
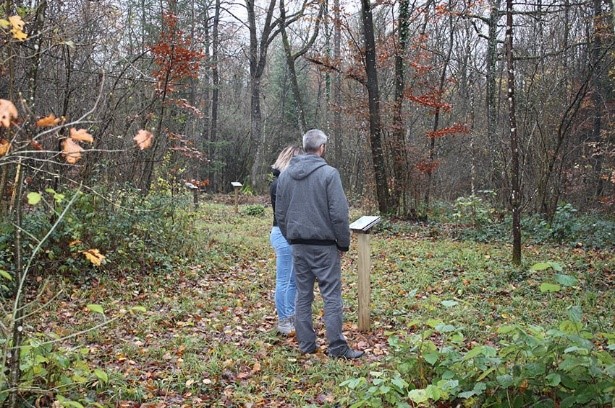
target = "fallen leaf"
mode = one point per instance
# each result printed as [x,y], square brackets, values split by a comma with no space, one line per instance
[36,145]
[94,256]
[71,151]
[81,135]
[144,139]
[8,111]
[5,146]
[48,121]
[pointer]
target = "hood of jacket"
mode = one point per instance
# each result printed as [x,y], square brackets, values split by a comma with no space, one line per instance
[303,165]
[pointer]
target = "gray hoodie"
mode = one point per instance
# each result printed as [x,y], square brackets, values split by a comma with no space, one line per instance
[311,207]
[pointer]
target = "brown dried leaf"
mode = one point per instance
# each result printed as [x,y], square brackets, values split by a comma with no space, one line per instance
[71,151]
[8,111]
[48,121]
[5,146]
[81,135]
[144,139]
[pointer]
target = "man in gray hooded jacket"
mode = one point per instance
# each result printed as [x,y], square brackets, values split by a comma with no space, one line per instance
[312,213]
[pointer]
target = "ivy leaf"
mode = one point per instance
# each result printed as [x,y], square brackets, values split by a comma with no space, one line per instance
[547,287]
[5,275]
[101,375]
[566,280]
[34,198]
[418,396]
[540,266]
[139,309]
[96,308]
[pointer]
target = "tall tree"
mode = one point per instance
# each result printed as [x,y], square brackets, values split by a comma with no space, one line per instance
[400,160]
[373,94]
[291,57]
[257,57]
[515,196]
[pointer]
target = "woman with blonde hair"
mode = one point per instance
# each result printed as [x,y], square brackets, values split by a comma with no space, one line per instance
[285,289]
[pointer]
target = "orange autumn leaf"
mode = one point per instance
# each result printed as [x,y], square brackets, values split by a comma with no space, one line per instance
[5,146]
[144,139]
[94,256]
[81,135]
[71,151]
[8,111]
[17,22]
[48,121]
[18,26]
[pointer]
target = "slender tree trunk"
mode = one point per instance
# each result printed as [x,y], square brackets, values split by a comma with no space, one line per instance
[515,197]
[215,77]
[337,85]
[18,312]
[257,57]
[375,126]
[400,160]
[598,96]
[491,92]
[290,63]
[436,118]
[292,57]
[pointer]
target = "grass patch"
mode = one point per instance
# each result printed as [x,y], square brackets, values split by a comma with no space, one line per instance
[208,337]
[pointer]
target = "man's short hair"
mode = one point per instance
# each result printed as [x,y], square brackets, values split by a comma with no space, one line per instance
[313,139]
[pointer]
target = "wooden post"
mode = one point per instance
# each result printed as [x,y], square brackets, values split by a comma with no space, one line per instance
[236,186]
[364,286]
[195,194]
[362,227]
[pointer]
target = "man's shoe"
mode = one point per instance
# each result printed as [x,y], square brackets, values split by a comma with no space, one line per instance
[349,354]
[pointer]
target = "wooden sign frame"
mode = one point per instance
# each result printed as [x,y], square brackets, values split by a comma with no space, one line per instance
[362,226]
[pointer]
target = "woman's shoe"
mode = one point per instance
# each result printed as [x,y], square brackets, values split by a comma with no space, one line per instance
[286,326]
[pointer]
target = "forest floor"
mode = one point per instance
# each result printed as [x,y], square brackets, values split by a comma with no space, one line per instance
[207,336]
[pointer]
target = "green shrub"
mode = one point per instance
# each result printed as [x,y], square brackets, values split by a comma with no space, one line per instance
[255,210]
[143,234]
[568,227]
[527,365]
[46,366]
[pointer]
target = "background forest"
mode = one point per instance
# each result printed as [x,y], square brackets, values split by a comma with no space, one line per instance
[413,94]
[117,289]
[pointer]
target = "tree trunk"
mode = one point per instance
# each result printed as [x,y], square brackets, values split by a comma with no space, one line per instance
[400,160]
[258,57]
[598,97]
[215,78]
[492,90]
[515,196]
[291,58]
[436,118]
[375,126]
[18,312]
[337,85]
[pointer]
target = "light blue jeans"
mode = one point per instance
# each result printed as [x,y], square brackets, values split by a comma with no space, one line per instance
[285,287]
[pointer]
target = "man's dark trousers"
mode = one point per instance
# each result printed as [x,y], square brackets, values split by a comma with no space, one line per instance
[319,263]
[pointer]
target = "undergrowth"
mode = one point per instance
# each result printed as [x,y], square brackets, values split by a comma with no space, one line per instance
[193,322]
